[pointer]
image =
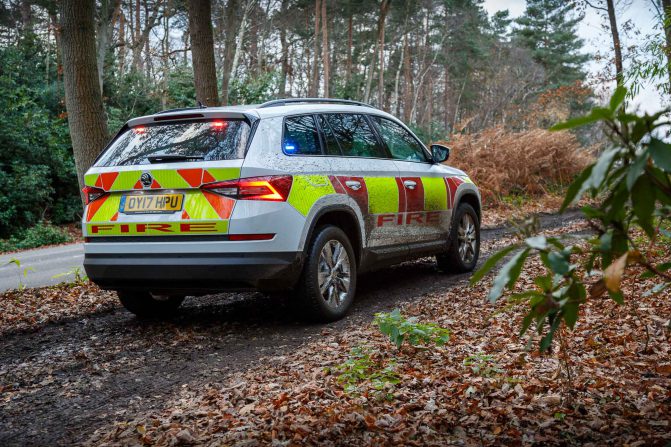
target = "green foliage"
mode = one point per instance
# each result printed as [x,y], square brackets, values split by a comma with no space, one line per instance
[255,89]
[41,234]
[399,329]
[37,173]
[632,179]
[483,365]
[549,30]
[79,277]
[364,366]
[23,271]
[128,96]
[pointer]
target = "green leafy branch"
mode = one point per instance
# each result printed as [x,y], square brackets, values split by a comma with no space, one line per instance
[631,180]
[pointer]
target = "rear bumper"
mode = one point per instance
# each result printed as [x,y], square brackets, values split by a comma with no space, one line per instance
[194,272]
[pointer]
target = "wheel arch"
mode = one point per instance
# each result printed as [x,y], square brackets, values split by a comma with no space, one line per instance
[342,217]
[471,197]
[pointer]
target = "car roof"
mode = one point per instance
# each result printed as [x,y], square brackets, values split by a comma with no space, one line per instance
[259,111]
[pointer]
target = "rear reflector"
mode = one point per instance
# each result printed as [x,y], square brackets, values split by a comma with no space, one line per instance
[251,237]
[272,188]
[229,237]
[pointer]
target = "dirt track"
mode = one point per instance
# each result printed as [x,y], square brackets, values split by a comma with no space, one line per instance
[62,381]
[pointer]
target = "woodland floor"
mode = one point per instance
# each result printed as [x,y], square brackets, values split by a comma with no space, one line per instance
[242,369]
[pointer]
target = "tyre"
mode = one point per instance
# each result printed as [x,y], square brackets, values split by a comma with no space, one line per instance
[328,281]
[464,249]
[147,305]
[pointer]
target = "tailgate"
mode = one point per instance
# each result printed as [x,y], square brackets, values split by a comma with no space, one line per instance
[159,200]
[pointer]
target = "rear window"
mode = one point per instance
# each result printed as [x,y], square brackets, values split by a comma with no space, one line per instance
[192,141]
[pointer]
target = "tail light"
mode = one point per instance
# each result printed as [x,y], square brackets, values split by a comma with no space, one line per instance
[91,194]
[272,188]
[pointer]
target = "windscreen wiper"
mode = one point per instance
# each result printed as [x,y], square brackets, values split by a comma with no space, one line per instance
[170,158]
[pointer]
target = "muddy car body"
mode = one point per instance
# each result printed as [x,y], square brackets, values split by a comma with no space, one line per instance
[290,194]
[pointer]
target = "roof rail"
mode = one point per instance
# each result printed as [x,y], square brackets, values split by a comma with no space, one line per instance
[287,101]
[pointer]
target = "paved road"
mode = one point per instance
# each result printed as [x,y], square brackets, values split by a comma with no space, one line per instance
[45,264]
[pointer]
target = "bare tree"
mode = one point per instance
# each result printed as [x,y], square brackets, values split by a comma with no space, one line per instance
[325,51]
[666,6]
[229,48]
[609,9]
[384,9]
[83,99]
[202,51]
[109,9]
[314,83]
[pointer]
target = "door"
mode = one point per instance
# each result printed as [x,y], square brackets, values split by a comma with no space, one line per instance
[364,171]
[426,215]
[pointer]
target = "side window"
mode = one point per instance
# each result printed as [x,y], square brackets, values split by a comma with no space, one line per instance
[401,144]
[301,136]
[332,146]
[354,135]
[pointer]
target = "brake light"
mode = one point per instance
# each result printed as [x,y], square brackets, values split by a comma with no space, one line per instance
[92,194]
[219,125]
[272,188]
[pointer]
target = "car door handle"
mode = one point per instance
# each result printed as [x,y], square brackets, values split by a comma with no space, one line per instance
[353,184]
[410,184]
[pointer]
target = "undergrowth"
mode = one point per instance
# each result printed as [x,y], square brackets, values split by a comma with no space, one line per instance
[41,234]
[513,167]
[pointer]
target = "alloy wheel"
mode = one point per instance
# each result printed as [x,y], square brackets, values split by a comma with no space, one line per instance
[334,273]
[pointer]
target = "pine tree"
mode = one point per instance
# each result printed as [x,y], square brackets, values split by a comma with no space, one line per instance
[548,29]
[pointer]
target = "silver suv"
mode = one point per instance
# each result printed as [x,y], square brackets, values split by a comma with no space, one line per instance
[300,194]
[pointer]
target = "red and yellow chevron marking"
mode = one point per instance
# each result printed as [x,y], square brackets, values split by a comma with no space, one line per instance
[162,178]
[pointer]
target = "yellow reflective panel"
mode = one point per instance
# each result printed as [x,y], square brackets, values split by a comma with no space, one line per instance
[435,194]
[382,195]
[307,189]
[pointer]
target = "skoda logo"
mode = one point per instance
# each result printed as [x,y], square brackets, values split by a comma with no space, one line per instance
[146,179]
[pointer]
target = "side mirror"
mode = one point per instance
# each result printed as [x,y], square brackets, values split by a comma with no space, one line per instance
[440,153]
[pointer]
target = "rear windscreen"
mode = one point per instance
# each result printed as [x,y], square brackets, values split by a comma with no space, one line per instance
[192,141]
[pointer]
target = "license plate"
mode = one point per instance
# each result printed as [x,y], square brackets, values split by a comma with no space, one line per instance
[151,203]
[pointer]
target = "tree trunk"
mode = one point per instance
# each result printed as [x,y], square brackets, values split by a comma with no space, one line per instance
[407,81]
[26,17]
[137,43]
[325,51]
[229,49]
[202,51]
[285,51]
[666,5]
[83,99]
[141,36]
[616,42]
[108,10]
[384,9]
[397,80]
[348,74]
[122,43]
[254,42]
[314,85]
[241,36]
[165,49]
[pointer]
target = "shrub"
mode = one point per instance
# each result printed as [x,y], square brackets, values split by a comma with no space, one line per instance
[41,234]
[531,162]
[37,171]
[364,365]
[399,328]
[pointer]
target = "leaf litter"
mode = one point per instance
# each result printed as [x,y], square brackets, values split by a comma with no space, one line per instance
[609,383]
